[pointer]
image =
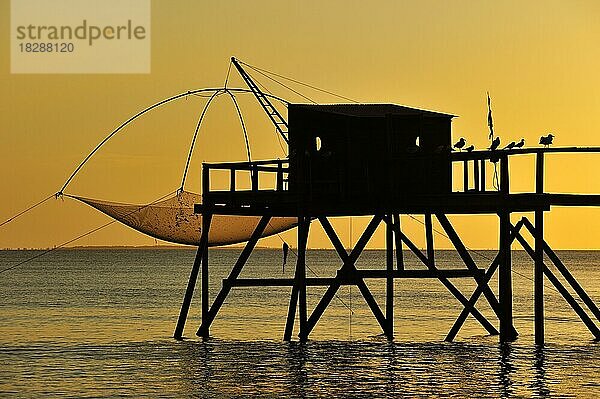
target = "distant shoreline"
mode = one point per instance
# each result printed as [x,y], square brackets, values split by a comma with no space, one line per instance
[227,248]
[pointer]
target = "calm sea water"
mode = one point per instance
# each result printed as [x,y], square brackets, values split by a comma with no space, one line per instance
[98,323]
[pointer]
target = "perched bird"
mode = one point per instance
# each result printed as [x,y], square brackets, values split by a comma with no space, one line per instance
[470,148]
[510,145]
[495,144]
[460,144]
[546,140]
[520,144]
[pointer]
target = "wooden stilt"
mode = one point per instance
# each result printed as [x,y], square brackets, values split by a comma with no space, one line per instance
[299,287]
[389,303]
[398,241]
[538,269]
[538,279]
[429,239]
[235,272]
[291,316]
[201,257]
[303,227]
[507,332]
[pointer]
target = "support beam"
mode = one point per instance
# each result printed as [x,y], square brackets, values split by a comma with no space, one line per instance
[303,228]
[348,278]
[574,304]
[389,286]
[291,316]
[538,268]
[429,239]
[347,268]
[566,274]
[563,291]
[468,261]
[398,241]
[453,290]
[507,331]
[479,290]
[235,272]
[201,255]
[538,278]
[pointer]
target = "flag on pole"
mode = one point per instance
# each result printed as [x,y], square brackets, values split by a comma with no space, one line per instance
[490,121]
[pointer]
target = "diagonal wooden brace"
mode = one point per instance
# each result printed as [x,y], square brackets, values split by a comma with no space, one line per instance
[479,290]
[562,290]
[455,291]
[345,272]
[468,260]
[565,273]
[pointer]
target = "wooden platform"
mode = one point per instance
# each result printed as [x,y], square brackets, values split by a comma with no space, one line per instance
[274,203]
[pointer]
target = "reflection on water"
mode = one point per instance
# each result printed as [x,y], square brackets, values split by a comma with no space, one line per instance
[98,324]
[539,380]
[268,369]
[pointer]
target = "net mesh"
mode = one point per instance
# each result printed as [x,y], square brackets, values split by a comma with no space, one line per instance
[174,220]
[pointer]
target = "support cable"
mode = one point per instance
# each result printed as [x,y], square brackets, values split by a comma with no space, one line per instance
[284,85]
[24,211]
[297,82]
[39,255]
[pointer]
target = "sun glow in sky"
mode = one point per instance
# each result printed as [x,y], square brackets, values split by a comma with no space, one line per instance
[538,59]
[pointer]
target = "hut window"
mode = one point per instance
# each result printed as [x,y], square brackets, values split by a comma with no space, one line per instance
[318,143]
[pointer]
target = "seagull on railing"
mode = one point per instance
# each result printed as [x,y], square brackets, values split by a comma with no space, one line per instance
[510,146]
[546,140]
[460,144]
[470,148]
[495,144]
[520,144]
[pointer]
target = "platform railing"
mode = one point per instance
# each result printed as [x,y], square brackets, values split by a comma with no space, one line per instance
[474,166]
[256,169]
[474,179]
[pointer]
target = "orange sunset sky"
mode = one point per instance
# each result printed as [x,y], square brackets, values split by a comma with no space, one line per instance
[538,59]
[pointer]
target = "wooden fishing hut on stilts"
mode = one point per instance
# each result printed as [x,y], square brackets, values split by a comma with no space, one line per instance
[385,160]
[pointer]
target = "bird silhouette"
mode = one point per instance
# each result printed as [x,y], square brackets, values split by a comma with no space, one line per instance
[520,144]
[546,140]
[460,144]
[495,144]
[470,148]
[510,145]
